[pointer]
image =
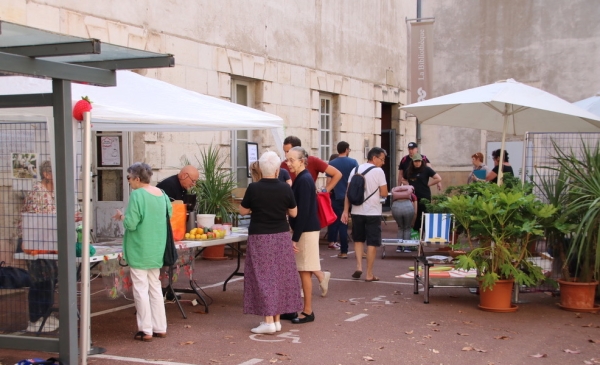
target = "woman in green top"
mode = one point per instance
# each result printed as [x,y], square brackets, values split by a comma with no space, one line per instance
[144,241]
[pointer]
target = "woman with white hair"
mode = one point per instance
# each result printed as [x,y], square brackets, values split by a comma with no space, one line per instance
[270,281]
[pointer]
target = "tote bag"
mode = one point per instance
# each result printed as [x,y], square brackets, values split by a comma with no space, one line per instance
[325,211]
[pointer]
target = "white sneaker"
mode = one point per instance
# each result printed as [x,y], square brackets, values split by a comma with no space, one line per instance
[334,246]
[265,328]
[278,326]
[324,284]
[50,325]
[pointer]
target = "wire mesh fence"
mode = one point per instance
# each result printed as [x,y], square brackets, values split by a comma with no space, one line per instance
[538,166]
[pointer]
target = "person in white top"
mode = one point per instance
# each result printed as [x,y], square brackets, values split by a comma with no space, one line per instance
[366,218]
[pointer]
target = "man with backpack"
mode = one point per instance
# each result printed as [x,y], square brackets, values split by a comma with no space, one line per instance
[367,185]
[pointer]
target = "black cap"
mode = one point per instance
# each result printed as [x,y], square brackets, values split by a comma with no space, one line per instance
[412,145]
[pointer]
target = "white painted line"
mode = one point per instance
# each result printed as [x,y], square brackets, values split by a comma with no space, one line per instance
[220,284]
[112,310]
[357,317]
[251,362]
[380,282]
[134,359]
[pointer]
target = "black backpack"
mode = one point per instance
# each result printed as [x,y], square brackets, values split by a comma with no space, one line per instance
[356,188]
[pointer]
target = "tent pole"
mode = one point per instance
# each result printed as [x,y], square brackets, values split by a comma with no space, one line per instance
[84,338]
[501,162]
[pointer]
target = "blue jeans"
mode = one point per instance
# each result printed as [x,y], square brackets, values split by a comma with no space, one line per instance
[338,228]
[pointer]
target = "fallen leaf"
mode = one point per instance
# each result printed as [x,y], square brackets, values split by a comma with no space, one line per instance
[200,312]
[435,329]
[571,351]
[462,334]
[187,343]
[214,360]
[409,332]
[272,361]
[368,358]
[433,324]
[577,315]
[343,301]
[435,351]
[502,338]
[228,337]
[467,348]
[588,325]
[420,342]
[281,354]
[187,326]
[348,312]
[594,341]
[479,350]
[538,355]
[427,336]
[467,322]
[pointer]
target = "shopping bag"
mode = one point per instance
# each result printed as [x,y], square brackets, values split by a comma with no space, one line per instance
[325,211]
[178,220]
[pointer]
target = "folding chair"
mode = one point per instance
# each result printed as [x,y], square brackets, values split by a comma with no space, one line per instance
[436,230]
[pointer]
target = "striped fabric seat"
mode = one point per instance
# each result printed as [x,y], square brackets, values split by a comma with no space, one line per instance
[436,228]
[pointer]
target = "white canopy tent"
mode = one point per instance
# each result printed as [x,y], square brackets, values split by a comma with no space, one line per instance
[142,104]
[136,104]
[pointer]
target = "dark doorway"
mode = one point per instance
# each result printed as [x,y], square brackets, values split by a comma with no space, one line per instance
[388,142]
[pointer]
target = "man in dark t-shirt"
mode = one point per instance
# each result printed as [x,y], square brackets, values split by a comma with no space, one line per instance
[175,187]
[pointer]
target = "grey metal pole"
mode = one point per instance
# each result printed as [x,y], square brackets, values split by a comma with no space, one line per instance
[84,340]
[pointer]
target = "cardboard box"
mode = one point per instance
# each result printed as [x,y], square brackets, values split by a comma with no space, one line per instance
[39,232]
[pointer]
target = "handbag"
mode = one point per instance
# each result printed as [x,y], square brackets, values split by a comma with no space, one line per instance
[170,256]
[13,277]
[324,210]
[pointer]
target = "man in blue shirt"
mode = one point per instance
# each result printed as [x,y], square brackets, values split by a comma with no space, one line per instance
[345,165]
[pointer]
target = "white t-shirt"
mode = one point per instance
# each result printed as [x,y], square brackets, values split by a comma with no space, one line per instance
[373,180]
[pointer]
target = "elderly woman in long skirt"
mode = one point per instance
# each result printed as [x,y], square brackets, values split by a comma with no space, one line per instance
[270,277]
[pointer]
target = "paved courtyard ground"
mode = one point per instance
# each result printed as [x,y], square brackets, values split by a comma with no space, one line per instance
[358,322]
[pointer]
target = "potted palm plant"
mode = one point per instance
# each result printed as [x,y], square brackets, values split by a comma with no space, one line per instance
[213,192]
[581,269]
[507,219]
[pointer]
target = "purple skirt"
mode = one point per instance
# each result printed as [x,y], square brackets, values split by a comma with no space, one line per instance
[271,281]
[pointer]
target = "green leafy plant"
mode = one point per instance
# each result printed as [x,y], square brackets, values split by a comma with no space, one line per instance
[213,188]
[507,219]
[582,178]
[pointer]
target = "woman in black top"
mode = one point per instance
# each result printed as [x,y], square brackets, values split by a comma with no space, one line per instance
[270,281]
[306,228]
[418,175]
[492,176]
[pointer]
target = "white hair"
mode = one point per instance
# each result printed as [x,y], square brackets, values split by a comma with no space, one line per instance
[269,163]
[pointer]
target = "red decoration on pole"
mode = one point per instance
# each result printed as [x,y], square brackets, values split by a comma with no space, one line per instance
[82,106]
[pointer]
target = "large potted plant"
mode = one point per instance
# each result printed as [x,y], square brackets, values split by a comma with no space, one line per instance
[213,192]
[581,269]
[506,219]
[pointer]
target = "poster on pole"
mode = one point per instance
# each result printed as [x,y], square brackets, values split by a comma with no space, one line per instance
[421,61]
[251,155]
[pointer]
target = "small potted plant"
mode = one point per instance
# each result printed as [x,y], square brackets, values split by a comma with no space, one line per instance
[507,219]
[581,269]
[213,192]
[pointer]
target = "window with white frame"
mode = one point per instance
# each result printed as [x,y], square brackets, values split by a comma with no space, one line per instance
[241,93]
[325,127]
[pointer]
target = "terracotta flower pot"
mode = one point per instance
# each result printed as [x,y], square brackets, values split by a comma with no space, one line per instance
[578,297]
[498,298]
[214,253]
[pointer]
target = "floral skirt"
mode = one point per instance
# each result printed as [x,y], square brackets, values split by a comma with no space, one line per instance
[271,281]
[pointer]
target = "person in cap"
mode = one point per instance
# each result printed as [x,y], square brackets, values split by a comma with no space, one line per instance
[418,174]
[406,161]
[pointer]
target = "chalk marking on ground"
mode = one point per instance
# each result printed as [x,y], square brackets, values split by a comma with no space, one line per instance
[357,317]
[251,362]
[135,359]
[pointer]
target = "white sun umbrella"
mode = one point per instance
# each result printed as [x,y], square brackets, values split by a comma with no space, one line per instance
[591,104]
[506,106]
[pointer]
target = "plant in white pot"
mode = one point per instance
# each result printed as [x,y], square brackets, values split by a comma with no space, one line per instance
[213,191]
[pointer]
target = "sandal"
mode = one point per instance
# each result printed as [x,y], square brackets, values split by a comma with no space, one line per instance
[159,334]
[357,274]
[142,337]
[375,278]
[342,256]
